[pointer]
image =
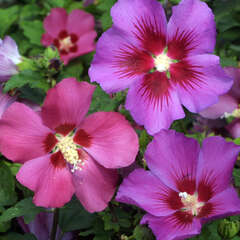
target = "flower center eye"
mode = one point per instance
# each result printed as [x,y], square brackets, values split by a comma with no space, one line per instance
[191,203]
[65,44]
[162,62]
[70,153]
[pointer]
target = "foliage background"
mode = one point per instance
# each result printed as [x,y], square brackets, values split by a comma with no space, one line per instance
[22,20]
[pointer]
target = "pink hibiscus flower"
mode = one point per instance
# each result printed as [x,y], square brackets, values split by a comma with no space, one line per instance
[164,65]
[72,34]
[64,153]
[185,187]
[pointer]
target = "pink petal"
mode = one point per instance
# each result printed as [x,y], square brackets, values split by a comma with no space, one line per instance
[46,39]
[169,227]
[188,34]
[145,190]
[199,81]
[152,105]
[53,186]
[67,103]
[80,22]
[22,133]
[85,44]
[117,63]
[94,184]
[113,142]
[226,203]
[169,157]
[226,104]
[234,128]
[216,160]
[55,22]
[144,20]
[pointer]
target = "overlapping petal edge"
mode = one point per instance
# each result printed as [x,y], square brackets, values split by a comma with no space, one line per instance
[99,143]
[163,65]
[185,187]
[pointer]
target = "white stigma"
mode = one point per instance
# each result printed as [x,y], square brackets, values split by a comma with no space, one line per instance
[235,113]
[191,203]
[70,153]
[162,62]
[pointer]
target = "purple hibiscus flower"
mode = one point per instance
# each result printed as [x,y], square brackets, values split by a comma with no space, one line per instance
[164,65]
[9,58]
[185,187]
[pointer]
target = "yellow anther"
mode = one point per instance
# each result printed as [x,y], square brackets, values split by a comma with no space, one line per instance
[65,44]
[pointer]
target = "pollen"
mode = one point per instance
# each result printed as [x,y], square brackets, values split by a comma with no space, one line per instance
[191,203]
[65,44]
[162,62]
[70,153]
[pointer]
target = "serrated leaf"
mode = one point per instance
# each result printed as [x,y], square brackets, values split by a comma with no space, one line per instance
[8,16]
[24,208]
[7,186]
[74,217]
[33,30]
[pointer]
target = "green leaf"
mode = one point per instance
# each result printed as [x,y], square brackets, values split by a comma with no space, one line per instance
[236,176]
[74,217]
[73,69]
[142,233]
[24,208]
[17,236]
[4,226]
[8,16]
[33,78]
[33,30]
[7,186]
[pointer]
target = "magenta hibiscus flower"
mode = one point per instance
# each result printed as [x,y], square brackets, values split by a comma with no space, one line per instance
[163,65]
[185,187]
[64,153]
[72,34]
[9,58]
[228,104]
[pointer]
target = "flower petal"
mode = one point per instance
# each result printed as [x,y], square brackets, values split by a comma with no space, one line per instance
[80,22]
[199,81]
[226,203]
[52,185]
[113,142]
[46,39]
[170,228]
[144,20]
[215,165]
[55,22]
[67,103]
[85,44]
[188,34]
[7,68]
[226,104]
[145,190]
[5,102]
[234,128]
[169,157]
[94,184]
[118,62]
[9,49]
[235,74]
[153,103]
[22,133]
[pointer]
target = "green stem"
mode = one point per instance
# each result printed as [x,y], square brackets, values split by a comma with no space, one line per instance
[55,224]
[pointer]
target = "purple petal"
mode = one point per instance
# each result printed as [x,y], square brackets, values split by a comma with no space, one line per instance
[172,157]
[226,104]
[191,29]
[7,68]
[234,128]
[203,80]
[9,49]
[226,203]
[169,228]
[235,74]
[157,112]
[145,190]
[215,165]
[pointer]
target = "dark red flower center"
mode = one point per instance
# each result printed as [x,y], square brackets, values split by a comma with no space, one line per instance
[66,146]
[66,42]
